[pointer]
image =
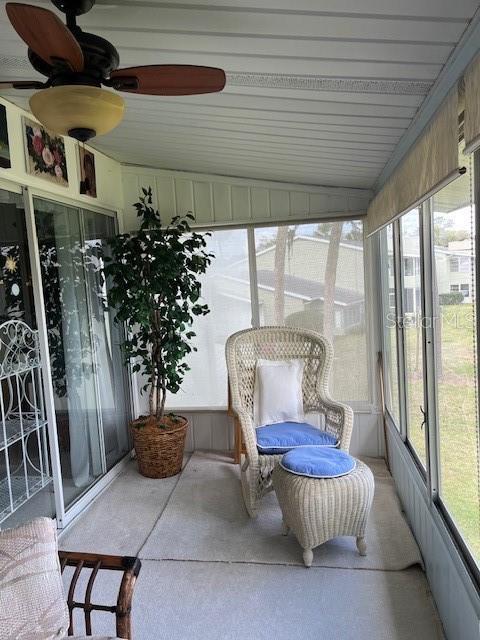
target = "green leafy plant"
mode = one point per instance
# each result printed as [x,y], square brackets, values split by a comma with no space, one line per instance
[155,289]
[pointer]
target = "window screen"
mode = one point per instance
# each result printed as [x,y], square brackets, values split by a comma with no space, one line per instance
[456,369]
[312,276]
[226,290]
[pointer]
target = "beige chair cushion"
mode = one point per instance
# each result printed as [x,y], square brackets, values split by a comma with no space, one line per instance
[32,603]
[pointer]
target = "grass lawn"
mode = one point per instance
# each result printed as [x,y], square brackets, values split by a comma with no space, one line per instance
[457,411]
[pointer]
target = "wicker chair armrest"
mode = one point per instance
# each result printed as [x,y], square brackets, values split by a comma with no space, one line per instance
[338,420]
[129,566]
[248,432]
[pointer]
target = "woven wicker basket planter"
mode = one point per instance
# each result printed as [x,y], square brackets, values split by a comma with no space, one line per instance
[159,450]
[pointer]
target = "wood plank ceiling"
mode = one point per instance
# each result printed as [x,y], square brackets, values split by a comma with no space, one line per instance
[318,91]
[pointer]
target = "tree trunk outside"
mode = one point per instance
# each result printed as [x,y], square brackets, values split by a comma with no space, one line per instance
[279,275]
[330,279]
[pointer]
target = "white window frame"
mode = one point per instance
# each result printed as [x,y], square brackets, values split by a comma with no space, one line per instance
[431,474]
[366,406]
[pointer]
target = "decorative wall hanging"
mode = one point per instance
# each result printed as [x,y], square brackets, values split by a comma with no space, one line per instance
[88,178]
[45,153]
[4,146]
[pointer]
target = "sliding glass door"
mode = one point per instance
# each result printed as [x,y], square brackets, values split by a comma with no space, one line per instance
[26,487]
[107,339]
[90,392]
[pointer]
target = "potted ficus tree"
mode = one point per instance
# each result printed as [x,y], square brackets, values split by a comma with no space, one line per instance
[155,290]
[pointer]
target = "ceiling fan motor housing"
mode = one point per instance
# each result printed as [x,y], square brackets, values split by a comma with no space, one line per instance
[101,58]
[74,7]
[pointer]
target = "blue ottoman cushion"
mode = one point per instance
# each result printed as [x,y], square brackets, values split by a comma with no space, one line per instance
[283,436]
[318,462]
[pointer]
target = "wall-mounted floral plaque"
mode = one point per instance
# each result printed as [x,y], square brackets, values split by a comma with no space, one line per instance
[45,153]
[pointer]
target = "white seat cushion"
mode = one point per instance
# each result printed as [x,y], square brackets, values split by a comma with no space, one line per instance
[32,602]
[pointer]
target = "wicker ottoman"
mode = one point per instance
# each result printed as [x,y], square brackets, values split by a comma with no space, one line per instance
[317,510]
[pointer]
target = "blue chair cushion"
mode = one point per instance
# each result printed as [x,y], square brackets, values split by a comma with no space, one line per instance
[283,436]
[318,462]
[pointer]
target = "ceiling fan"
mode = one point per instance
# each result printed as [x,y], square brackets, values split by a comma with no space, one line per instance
[77,64]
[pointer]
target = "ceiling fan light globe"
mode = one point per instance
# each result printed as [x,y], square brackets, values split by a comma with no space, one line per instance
[70,109]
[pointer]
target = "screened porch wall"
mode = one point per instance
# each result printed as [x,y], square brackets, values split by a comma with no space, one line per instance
[228,203]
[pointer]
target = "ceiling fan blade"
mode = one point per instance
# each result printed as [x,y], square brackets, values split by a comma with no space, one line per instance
[169,79]
[22,84]
[45,34]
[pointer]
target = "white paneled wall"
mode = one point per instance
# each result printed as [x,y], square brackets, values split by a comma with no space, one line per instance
[214,430]
[217,200]
[457,600]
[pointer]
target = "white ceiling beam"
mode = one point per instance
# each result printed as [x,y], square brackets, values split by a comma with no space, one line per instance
[414,8]
[166,149]
[283,47]
[287,24]
[279,134]
[266,124]
[285,105]
[310,132]
[326,67]
[141,134]
[216,150]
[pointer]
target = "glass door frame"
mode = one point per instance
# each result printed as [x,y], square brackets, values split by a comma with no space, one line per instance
[63,515]
[13,187]
[425,259]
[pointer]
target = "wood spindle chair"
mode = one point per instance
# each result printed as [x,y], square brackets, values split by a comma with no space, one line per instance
[130,566]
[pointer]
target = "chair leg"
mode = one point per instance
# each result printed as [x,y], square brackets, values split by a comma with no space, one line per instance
[361,546]
[285,528]
[249,496]
[308,557]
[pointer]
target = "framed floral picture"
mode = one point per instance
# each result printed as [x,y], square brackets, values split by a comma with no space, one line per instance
[4,146]
[88,178]
[45,153]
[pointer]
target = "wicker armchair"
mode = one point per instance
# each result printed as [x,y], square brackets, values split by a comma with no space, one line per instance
[243,349]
